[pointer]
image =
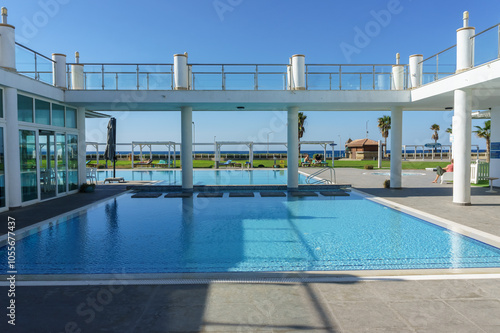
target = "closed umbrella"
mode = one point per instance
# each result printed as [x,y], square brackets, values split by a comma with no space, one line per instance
[110,152]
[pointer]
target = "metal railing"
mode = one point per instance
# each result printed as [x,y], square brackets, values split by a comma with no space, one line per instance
[314,179]
[439,65]
[487,39]
[33,64]
[125,76]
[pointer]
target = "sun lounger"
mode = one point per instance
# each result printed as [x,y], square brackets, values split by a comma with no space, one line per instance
[146,163]
[163,163]
[447,177]
[304,163]
[227,163]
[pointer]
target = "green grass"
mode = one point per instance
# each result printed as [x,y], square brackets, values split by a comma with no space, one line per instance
[482,183]
[270,163]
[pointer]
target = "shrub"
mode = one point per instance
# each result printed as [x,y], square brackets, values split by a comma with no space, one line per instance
[369,167]
[387,183]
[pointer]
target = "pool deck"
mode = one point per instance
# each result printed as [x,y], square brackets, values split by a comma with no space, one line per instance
[401,304]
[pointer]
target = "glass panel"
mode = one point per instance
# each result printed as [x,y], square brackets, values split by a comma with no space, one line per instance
[27,150]
[1,103]
[72,162]
[70,118]
[47,164]
[42,112]
[58,115]
[240,81]
[24,108]
[2,170]
[61,162]
[269,81]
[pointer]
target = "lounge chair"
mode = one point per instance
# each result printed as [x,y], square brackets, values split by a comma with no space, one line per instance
[91,175]
[447,177]
[304,163]
[227,163]
[164,163]
[148,162]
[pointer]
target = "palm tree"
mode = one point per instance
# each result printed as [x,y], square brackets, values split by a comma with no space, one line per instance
[485,133]
[384,123]
[450,129]
[302,130]
[435,136]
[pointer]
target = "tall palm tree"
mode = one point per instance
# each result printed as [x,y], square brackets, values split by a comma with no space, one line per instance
[384,124]
[485,133]
[450,129]
[302,129]
[435,136]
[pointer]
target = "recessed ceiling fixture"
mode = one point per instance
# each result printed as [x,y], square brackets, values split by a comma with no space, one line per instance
[449,108]
[240,107]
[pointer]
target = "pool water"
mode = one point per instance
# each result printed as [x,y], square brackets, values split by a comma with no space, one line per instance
[205,177]
[162,235]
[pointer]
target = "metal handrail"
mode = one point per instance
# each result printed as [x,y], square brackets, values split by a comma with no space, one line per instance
[333,180]
[437,54]
[482,32]
[27,48]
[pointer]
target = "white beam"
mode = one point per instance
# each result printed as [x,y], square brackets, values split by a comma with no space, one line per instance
[13,164]
[187,147]
[82,146]
[462,147]
[396,143]
[293,147]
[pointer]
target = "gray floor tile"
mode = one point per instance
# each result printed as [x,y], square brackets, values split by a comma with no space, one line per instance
[335,292]
[453,289]
[481,312]
[401,290]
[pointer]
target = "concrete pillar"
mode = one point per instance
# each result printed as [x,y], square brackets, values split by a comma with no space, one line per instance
[465,45]
[181,77]
[495,137]
[77,76]
[13,163]
[82,147]
[398,78]
[461,146]
[7,43]
[187,147]
[293,147]
[416,70]
[59,70]
[298,71]
[396,143]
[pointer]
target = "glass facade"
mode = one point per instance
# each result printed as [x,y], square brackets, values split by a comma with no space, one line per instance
[72,146]
[58,115]
[61,162]
[2,170]
[42,112]
[70,118]
[24,108]
[46,154]
[27,150]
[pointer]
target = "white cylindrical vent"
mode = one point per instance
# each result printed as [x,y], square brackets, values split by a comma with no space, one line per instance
[59,70]
[416,68]
[298,72]
[181,81]
[398,79]
[77,77]
[465,48]
[7,46]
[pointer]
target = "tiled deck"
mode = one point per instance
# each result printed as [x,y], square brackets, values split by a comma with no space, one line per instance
[450,305]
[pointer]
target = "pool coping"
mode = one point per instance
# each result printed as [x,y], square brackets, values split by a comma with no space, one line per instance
[263,277]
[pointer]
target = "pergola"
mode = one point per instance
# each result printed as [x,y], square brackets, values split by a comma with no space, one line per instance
[150,144]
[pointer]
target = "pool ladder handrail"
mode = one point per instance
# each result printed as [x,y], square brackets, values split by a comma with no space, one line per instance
[333,177]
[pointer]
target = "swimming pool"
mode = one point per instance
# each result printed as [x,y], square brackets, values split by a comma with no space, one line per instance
[231,234]
[205,177]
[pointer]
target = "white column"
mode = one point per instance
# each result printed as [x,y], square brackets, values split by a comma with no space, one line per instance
[13,163]
[82,146]
[462,146]
[59,70]
[416,70]
[396,143]
[187,147]
[181,77]
[495,137]
[293,147]
[465,49]
[7,43]
[298,72]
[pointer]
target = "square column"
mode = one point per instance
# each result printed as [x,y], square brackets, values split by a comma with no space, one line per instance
[461,146]
[187,147]
[82,146]
[396,143]
[495,137]
[293,147]
[12,160]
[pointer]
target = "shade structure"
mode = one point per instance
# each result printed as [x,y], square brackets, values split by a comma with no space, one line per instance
[110,152]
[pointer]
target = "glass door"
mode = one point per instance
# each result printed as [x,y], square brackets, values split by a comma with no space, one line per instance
[61,163]
[47,163]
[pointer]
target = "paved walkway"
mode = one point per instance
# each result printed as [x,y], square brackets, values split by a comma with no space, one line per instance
[453,305]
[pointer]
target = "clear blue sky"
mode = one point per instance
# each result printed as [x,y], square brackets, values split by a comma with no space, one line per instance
[247,31]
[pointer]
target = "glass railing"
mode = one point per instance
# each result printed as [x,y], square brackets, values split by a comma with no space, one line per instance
[440,65]
[33,64]
[486,45]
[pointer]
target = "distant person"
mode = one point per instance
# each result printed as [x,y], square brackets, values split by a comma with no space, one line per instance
[307,159]
[317,159]
[440,171]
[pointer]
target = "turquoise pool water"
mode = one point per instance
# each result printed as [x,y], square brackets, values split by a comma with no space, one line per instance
[206,177]
[160,235]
